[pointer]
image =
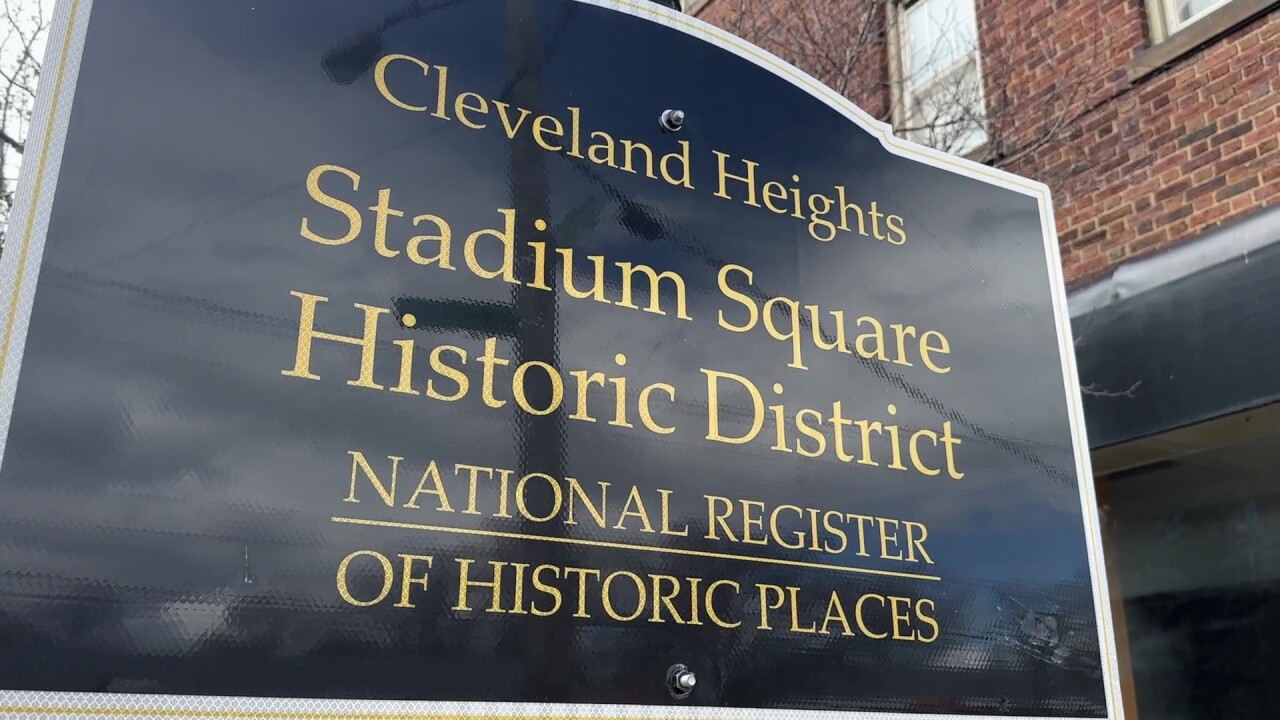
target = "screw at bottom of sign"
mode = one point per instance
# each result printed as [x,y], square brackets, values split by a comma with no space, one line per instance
[680,681]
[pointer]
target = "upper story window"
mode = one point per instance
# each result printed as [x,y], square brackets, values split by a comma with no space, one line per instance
[1175,15]
[942,102]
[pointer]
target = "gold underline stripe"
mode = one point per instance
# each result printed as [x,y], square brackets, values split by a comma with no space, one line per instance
[630,546]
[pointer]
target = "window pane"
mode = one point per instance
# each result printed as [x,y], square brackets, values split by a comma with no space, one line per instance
[939,33]
[1197,561]
[1187,9]
[948,112]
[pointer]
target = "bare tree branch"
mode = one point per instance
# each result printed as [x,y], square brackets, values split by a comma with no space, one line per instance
[23,28]
[845,45]
[16,145]
[1093,391]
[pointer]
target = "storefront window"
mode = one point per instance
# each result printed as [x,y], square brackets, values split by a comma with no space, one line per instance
[1195,561]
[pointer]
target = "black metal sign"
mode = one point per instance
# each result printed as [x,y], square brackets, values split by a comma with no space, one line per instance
[454,358]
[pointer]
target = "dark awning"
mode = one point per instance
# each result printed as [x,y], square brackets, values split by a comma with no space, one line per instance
[1198,326]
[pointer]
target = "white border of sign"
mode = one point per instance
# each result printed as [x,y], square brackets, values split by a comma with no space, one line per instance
[19,272]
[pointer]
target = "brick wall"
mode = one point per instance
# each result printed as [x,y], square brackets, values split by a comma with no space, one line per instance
[1137,162]
[1151,162]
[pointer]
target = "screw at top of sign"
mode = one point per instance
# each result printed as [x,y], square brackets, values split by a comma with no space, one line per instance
[671,120]
[686,680]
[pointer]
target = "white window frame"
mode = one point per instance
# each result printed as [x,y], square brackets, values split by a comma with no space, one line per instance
[902,85]
[1164,17]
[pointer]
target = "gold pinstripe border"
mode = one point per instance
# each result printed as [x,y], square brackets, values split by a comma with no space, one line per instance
[763,59]
[38,188]
[306,715]
[675,714]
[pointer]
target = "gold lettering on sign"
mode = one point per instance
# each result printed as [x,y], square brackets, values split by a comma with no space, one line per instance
[770,394]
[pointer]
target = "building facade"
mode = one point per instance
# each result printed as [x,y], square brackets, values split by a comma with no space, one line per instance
[1155,124]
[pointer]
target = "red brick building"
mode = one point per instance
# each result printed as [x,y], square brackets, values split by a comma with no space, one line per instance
[1149,129]
[1156,124]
